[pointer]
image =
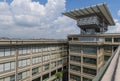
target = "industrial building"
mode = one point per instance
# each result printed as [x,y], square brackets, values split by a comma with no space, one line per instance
[79,58]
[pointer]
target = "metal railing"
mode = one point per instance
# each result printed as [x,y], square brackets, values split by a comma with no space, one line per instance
[111,70]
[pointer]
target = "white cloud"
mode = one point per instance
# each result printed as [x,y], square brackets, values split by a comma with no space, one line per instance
[28,19]
[116,28]
[119,12]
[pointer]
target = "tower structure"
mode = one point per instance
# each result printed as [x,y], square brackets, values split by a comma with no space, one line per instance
[87,51]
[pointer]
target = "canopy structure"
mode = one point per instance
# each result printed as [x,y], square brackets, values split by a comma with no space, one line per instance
[100,10]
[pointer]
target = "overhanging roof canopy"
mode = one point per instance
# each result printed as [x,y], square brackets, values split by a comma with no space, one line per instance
[100,10]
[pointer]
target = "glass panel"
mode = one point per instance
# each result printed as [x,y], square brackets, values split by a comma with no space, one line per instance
[12,65]
[12,78]
[7,52]
[116,39]
[1,52]
[108,39]
[7,79]
[7,66]
[1,79]
[1,68]
[90,50]
[20,51]
[23,75]
[13,51]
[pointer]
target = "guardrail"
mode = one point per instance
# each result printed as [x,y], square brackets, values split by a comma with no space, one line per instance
[111,70]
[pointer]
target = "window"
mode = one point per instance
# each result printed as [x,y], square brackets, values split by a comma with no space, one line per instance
[90,50]
[23,63]
[89,71]
[46,67]
[36,60]
[86,79]
[44,77]
[117,39]
[75,77]
[23,75]
[75,58]
[1,52]
[9,78]
[35,71]
[75,48]
[7,66]
[1,67]
[75,68]
[89,60]
[7,52]
[108,39]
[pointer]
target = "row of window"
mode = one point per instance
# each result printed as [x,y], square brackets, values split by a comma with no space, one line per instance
[75,58]
[36,60]
[36,70]
[114,39]
[23,63]
[89,60]
[24,50]
[86,50]
[10,78]
[7,66]
[7,52]
[23,75]
[75,68]
[78,78]
[75,77]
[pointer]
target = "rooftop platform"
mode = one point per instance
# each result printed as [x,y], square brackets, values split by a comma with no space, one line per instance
[100,10]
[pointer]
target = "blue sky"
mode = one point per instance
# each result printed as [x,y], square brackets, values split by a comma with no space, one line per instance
[43,18]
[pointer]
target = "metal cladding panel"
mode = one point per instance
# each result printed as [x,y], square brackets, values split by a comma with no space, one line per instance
[100,10]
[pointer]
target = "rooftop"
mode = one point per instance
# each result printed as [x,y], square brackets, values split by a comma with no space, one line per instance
[100,10]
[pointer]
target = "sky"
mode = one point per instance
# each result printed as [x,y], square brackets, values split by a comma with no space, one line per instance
[43,18]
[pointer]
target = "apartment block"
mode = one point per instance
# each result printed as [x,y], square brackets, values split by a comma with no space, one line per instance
[89,50]
[32,60]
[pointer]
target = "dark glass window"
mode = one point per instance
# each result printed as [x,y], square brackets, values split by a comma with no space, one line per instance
[89,50]
[86,79]
[46,76]
[108,39]
[75,48]
[116,39]
[106,58]
[89,71]
[53,73]
[75,77]
[75,58]
[34,71]
[75,68]
[89,60]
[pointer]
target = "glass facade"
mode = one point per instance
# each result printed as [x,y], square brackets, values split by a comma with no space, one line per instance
[7,66]
[117,39]
[5,52]
[108,39]
[75,58]
[89,71]
[75,68]
[75,77]
[89,60]
[90,50]
[75,48]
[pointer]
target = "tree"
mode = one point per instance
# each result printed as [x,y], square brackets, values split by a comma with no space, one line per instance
[59,76]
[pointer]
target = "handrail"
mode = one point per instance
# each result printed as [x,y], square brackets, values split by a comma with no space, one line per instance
[104,70]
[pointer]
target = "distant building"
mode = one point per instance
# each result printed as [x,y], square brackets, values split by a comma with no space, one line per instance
[79,58]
